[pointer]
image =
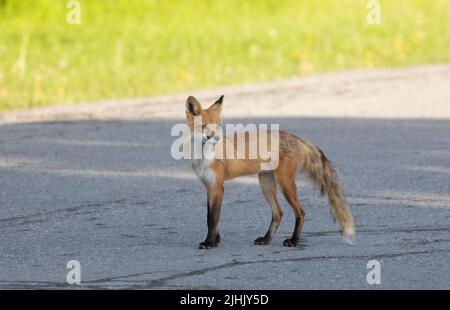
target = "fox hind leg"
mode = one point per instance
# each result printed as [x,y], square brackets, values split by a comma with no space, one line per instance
[269,189]
[286,180]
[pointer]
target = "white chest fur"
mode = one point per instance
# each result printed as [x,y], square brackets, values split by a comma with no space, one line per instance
[203,170]
[202,166]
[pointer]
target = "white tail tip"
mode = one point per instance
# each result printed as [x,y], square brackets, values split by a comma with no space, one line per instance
[348,240]
[348,236]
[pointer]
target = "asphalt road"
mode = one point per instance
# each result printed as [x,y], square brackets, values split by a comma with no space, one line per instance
[108,194]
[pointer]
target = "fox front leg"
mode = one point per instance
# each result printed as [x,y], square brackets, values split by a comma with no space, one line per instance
[214,204]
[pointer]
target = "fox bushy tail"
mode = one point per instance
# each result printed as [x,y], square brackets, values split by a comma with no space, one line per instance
[322,173]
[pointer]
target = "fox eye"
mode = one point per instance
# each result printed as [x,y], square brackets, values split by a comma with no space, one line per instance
[203,126]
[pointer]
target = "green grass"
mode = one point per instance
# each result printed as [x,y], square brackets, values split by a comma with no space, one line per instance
[129,48]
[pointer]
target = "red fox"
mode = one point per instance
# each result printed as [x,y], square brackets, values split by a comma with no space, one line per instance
[294,154]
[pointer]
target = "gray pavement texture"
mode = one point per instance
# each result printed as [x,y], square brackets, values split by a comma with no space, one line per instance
[108,194]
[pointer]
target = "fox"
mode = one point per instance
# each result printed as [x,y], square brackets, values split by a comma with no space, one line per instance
[294,154]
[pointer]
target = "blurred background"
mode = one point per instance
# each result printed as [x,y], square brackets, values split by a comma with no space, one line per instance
[140,48]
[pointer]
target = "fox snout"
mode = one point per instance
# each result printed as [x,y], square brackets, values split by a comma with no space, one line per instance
[210,138]
[216,138]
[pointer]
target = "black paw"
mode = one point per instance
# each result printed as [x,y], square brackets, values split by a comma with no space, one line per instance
[262,241]
[290,242]
[207,244]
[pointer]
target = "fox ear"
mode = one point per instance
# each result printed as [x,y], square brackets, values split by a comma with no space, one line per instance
[217,105]
[220,100]
[193,106]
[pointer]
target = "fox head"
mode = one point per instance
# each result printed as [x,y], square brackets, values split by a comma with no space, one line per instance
[204,121]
